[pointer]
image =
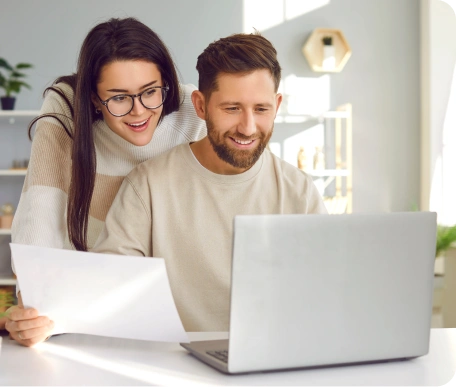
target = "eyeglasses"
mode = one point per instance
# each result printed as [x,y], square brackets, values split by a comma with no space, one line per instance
[122,104]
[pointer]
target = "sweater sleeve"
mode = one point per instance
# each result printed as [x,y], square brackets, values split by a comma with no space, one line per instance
[128,226]
[40,218]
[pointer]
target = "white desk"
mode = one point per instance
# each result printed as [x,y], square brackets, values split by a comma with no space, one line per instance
[91,360]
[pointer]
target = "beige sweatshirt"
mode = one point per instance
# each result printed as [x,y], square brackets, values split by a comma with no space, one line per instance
[174,208]
[40,218]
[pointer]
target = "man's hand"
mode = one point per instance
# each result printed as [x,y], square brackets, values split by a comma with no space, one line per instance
[26,326]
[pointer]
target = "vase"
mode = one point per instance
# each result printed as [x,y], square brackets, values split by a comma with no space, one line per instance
[449,294]
[8,103]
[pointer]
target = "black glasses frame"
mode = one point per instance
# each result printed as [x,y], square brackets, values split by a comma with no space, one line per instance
[133,96]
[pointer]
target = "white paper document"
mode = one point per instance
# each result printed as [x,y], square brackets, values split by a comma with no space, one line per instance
[99,294]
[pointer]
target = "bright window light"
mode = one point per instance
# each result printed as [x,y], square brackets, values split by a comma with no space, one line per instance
[148,374]
[295,8]
[275,148]
[448,211]
[265,14]
[262,14]
[305,96]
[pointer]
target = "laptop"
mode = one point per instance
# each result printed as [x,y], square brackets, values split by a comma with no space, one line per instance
[323,290]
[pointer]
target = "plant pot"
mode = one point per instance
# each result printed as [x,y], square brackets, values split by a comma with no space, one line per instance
[8,103]
[449,294]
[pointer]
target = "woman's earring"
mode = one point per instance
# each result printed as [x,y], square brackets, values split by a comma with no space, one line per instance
[97,111]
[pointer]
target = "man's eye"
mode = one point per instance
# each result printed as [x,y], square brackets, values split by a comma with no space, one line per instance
[262,110]
[232,109]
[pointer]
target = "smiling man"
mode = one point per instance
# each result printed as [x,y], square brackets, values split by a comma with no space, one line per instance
[180,205]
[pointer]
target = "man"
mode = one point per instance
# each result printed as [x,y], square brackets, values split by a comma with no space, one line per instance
[180,205]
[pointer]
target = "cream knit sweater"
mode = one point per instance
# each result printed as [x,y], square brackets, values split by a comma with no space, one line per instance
[174,208]
[40,218]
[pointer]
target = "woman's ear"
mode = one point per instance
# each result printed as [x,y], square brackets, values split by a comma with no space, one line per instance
[199,103]
[96,102]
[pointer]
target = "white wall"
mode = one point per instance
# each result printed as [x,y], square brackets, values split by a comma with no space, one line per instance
[438,108]
[381,79]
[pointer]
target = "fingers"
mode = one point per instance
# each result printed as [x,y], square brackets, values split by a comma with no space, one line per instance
[28,342]
[17,313]
[24,325]
[27,327]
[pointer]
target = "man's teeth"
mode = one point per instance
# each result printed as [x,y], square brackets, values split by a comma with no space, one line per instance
[140,124]
[243,142]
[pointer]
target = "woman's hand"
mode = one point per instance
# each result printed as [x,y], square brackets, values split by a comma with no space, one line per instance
[26,326]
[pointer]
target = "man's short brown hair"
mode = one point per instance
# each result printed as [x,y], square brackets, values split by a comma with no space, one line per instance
[236,54]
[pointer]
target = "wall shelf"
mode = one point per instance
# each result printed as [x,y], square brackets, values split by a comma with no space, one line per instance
[19,113]
[13,117]
[13,172]
[313,49]
[5,231]
[6,280]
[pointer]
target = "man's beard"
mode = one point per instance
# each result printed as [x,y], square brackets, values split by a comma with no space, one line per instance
[237,158]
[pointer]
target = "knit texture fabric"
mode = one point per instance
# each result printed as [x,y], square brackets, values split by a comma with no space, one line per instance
[173,208]
[40,218]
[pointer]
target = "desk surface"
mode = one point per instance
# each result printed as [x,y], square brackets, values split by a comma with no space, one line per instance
[92,360]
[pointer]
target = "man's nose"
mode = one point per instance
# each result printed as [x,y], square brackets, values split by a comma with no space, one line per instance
[247,126]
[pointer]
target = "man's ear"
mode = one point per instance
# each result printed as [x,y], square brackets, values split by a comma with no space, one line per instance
[199,103]
[278,101]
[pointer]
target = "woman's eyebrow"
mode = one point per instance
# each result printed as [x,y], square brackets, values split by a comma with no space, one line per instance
[126,91]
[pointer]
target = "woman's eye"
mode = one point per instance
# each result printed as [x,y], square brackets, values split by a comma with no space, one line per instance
[150,92]
[119,98]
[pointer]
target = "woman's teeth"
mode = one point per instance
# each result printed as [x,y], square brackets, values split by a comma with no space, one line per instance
[139,124]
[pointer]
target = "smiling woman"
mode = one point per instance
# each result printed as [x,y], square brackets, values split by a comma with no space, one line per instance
[124,105]
[133,117]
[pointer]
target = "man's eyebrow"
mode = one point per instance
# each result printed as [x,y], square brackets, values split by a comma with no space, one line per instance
[232,103]
[229,103]
[126,91]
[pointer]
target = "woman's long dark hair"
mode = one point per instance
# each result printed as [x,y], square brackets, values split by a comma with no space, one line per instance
[113,40]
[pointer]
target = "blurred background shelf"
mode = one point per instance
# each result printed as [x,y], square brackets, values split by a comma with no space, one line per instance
[13,172]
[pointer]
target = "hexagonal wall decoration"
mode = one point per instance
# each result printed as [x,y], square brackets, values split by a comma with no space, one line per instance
[323,41]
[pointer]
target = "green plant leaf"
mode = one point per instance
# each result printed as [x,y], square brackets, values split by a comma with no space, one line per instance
[23,66]
[15,86]
[5,64]
[16,74]
[6,300]
[12,82]
[446,236]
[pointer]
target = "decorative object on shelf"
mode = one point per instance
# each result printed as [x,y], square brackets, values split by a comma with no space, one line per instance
[329,54]
[6,218]
[20,164]
[6,299]
[318,46]
[302,160]
[446,236]
[12,82]
[319,159]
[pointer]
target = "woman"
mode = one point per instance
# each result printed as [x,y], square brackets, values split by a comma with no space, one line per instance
[123,106]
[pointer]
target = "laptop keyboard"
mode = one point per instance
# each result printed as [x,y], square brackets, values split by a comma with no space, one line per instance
[221,355]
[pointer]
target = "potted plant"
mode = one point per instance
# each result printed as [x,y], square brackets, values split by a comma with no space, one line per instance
[6,300]
[446,254]
[446,236]
[11,80]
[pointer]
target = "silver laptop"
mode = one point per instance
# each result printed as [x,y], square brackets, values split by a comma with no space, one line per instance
[319,290]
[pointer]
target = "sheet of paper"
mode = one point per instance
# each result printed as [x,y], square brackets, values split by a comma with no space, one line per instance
[99,294]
